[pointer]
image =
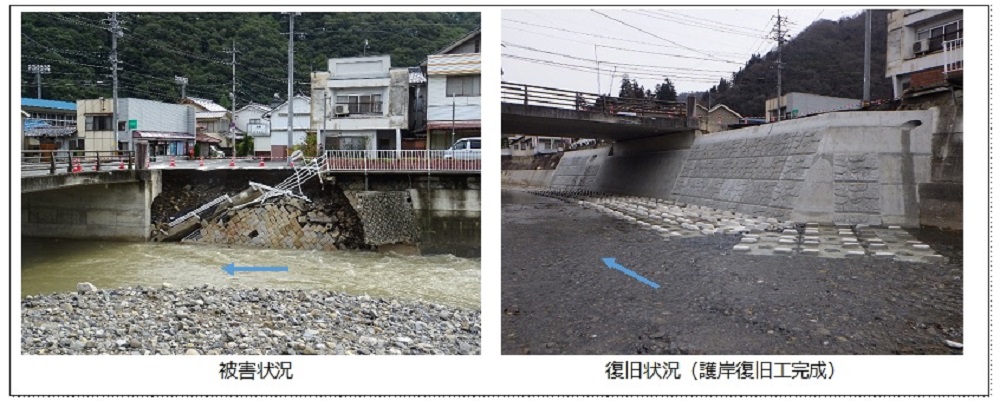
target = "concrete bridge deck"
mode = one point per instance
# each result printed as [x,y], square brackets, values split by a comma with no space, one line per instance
[537,110]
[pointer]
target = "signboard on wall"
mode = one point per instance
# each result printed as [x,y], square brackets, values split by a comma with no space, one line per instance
[258,130]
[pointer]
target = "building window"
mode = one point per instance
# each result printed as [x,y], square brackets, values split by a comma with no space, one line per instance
[466,85]
[936,35]
[361,104]
[98,122]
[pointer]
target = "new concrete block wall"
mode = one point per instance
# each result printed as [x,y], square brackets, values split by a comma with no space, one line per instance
[527,178]
[852,167]
[579,169]
[649,174]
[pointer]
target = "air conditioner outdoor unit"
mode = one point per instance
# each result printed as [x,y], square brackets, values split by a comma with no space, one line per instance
[921,46]
[341,109]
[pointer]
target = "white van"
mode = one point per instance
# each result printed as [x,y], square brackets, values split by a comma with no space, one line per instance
[465,148]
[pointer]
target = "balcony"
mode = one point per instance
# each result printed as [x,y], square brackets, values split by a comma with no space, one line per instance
[953,58]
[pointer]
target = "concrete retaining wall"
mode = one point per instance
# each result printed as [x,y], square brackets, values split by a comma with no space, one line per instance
[650,174]
[579,169]
[117,211]
[853,167]
[527,178]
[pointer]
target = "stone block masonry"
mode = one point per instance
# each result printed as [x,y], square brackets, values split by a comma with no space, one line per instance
[387,217]
[286,224]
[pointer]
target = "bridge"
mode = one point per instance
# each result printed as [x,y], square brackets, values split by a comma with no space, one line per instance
[539,110]
[51,169]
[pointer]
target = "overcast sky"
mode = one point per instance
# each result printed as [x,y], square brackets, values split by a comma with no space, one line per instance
[693,47]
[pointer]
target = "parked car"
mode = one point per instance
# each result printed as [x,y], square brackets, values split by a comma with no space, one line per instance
[465,148]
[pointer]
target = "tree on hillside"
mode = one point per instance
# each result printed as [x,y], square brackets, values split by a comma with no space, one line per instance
[665,91]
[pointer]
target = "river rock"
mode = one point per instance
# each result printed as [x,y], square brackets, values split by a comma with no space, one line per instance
[84,288]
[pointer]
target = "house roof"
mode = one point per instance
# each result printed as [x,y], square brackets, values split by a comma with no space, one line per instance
[209,114]
[206,104]
[458,42]
[47,104]
[268,114]
[255,106]
[717,107]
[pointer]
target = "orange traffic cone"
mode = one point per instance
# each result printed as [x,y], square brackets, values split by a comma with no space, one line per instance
[232,162]
[202,162]
[172,162]
[76,166]
[121,164]
[261,162]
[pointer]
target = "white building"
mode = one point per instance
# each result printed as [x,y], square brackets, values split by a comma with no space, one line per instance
[454,98]
[360,103]
[277,142]
[923,49]
[248,113]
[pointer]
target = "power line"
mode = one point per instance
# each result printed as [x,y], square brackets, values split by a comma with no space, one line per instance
[529,48]
[658,37]
[650,14]
[592,34]
[748,29]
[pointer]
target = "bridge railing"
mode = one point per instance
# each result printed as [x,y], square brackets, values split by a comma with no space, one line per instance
[533,95]
[73,161]
[402,160]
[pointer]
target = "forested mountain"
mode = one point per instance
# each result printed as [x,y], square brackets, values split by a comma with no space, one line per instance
[827,58]
[156,47]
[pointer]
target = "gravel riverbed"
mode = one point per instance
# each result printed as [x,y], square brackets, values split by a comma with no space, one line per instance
[225,321]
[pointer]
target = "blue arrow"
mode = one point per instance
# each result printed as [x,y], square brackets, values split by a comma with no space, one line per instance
[232,269]
[611,263]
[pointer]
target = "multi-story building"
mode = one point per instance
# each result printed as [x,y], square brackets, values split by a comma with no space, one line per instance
[453,92]
[213,120]
[923,49]
[360,103]
[168,129]
[49,125]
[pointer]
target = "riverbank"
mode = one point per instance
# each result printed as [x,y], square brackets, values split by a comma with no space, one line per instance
[560,297]
[226,321]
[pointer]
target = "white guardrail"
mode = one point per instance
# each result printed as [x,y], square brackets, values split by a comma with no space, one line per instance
[403,160]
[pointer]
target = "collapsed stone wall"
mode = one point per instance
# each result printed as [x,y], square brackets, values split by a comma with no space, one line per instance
[285,224]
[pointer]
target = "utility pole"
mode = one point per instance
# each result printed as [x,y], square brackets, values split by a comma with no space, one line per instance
[868,57]
[116,31]
[38,70]
[291,66]
[779,35]
[319,137]
[598,71]
[182,81]
[232,95]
